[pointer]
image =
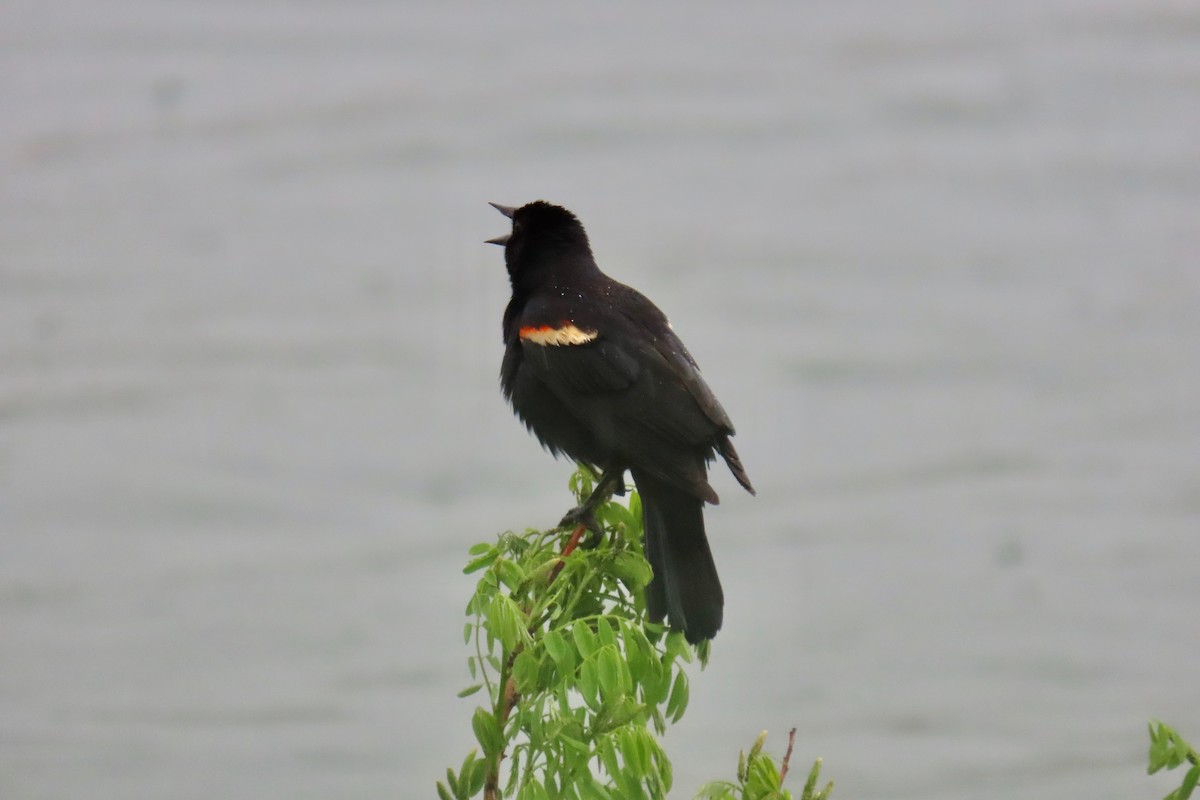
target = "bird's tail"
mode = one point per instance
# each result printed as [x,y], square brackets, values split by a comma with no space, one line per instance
[727,451]
[685,588]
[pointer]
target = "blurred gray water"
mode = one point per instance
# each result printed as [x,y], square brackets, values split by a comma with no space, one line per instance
[940,261]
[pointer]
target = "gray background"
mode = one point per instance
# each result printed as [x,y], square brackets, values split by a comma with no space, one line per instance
[940,261]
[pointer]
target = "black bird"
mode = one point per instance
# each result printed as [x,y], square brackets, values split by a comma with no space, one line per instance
[593,368]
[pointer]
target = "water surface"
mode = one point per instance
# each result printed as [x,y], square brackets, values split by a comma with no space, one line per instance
[939,261]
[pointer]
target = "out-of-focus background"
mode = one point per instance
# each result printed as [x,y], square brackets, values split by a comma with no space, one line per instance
[940,261]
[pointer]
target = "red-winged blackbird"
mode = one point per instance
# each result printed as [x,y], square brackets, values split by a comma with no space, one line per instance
[593,368]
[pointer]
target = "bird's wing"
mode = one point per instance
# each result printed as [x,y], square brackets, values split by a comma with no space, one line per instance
[684,367]
[621,372]
[612,374]
[574,361]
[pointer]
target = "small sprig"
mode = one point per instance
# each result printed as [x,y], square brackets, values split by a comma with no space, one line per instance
[759,779]
[1169,750]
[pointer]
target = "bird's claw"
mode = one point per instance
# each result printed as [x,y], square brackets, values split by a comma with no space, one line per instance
[610,483]
[581,515]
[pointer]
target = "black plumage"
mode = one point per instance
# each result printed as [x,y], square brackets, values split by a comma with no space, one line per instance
[594,370]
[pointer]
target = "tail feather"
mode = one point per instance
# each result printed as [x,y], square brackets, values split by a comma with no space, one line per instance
[727,451]
[685,588]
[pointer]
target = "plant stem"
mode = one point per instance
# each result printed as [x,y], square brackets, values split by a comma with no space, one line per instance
[491,783]
[572,543]
[783,769]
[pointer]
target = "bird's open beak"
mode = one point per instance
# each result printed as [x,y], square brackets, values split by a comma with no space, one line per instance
[507,211]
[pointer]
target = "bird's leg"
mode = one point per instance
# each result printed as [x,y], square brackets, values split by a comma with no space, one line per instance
[610,483]
[582,517]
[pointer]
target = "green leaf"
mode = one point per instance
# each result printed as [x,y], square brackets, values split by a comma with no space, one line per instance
[532,789]
[608,670]
[631,569]
[589,684]
[657,720]
[478,563]
[607,754]
[476,778]
[629,785]
[656,684]
[615,515]
[506,622]
[677,703]
[1189,784]
[717,790]
[624,712]
[510,574]
[763,774]
[443,792]
[605,634]
[1167,748]
[666,776]
[560,650]
[702,651]
[757,747]
[487,731]
[635,659]
[632,750]
[470,690]
[574,744]
[678,648]
[592,790]
[564,656]
[581,483]
[585,640]
[814,775]
[464,775]
[525,671]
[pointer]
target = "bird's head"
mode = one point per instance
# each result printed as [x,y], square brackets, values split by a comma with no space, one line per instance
[543,237]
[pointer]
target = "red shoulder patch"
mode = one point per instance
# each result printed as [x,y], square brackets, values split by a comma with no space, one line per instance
[548,335]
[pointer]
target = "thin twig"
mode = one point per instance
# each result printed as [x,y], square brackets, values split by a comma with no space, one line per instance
[783,769]
[572,543]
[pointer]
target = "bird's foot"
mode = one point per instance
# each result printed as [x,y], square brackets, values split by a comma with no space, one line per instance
[610,483]
[582,514]
[582,519]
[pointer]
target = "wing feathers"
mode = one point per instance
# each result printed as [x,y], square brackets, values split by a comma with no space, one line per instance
[628,380]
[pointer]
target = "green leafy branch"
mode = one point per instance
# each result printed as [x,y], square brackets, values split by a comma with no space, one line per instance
[759,779]
[578,686]
[1169,750]
[574,677]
